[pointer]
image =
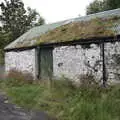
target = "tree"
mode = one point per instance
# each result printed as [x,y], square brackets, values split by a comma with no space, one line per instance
[3,41]
[102,5]
[112,4]
[16,20]
[34,18]
[96,6]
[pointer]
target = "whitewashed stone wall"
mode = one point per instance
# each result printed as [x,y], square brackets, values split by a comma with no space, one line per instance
[72,61]
[21,60]
[112,60]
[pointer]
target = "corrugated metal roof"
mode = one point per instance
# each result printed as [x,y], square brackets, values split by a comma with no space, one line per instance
[30,38]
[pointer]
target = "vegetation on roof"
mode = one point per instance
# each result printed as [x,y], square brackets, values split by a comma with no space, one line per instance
[94,28]
[97,27]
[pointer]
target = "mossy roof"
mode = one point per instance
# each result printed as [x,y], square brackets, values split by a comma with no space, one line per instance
[101,24]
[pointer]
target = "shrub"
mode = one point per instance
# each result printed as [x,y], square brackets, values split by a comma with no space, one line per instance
[1,57]
[87,81]
[17,78]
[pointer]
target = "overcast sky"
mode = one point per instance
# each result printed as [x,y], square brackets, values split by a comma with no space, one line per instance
[57,10]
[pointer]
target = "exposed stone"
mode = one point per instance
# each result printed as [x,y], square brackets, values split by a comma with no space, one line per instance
[112,60]
[73,61]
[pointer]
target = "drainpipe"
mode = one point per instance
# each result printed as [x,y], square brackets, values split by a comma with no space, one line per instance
[104,67]
[38,62]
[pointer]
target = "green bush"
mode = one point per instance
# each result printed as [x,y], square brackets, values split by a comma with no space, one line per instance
[87,81]
[1,57]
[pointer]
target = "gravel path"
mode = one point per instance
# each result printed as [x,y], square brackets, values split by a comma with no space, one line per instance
[10,111]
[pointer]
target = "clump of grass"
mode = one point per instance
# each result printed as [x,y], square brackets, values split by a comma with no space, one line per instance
[26,95]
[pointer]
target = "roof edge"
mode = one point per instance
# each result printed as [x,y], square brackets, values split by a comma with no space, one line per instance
[94,40]
[109,12]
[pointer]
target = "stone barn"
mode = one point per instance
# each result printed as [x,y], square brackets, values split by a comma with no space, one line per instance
[70,48]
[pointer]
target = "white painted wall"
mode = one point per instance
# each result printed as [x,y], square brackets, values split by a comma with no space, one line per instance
[21,60]
[71,61]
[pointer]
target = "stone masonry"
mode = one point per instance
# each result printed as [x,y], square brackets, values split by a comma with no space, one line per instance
[73,61]
[21,60]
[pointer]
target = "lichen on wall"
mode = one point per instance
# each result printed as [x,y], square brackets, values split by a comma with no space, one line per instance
[73,61]
[21,60]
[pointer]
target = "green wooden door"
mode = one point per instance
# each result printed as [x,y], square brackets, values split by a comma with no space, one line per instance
[46,63]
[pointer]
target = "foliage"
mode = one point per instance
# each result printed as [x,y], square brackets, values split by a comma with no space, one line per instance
[102,5]
[16,19]
[66,102]
[112,4]
[1,57]
[96,6]
[4,40]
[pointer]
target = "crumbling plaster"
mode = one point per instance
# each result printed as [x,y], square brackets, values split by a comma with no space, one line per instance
[73,61]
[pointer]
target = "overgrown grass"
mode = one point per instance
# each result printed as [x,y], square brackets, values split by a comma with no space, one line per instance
[62,100]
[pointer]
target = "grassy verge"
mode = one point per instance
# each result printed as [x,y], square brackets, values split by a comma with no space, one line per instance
[62,100]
